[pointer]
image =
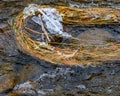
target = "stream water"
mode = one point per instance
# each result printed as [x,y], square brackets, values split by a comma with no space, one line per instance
[41,78]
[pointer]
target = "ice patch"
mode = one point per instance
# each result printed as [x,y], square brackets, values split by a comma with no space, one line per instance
[51,18]
[30,10]
[81,86]
[37,20]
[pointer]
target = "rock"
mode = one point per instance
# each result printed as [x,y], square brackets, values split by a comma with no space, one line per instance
[57,2]
[9,0]
[105,3]
[95,36]
[7,82]
[12,94]
[28,71]
[5,69]
[28,88]
[7,78]
[109,81]
[3,26]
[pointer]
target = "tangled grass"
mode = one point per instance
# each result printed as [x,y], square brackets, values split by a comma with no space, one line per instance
[81,54]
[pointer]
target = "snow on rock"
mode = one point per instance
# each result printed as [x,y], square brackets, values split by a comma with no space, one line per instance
[51,18]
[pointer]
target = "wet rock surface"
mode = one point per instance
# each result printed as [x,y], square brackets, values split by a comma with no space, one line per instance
[42,78]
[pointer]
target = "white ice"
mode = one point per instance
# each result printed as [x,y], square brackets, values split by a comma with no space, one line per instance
[51,18]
